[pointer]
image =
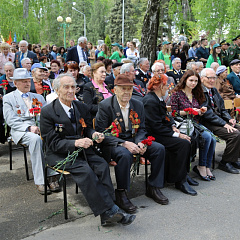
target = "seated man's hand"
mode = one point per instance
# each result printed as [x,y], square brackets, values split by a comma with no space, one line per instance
[184,136]
[83,142]
[34,129]
[131,147]
[230,128]
[142,149]
[175,129]
[99,137]
[232,121]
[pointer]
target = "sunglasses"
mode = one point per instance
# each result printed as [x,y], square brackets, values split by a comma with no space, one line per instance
[69,62]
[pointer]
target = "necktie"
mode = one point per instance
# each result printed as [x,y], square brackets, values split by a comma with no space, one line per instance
[72,116]
[238,76]
[21,59]
[84,56]
[211,97]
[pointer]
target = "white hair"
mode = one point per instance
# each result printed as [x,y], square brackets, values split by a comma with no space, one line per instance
[157,64]
[126,67]
[176,59]
[142,60]
[56,81]
[189,65]
[204,72]
[9,64]
[82,40]
[199,64]
[24,60]
[214,64]
[23,41]
[85,68]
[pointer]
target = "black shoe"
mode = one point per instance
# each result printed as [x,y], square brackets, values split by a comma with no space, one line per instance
[123,201]
[192,181]
[185,188]
[205,178]
[119,217]
[227,167]
[236,164]
[212,177]
[156,194]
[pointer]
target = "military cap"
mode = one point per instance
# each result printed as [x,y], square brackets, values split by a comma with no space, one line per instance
[238,37]
[235,61]
[224,42]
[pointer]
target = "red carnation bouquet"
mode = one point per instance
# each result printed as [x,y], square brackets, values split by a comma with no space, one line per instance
[237,113]
[46,91]
[35,111]
[4,86]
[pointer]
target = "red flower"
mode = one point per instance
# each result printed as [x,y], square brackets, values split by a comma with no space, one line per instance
[174,113]
[18,111]
[237,110]
[46,88]
[148,141]
[190,111]
[35,110]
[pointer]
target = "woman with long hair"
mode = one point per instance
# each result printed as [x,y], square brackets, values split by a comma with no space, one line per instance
[189,94]
[91,53]
[215,56]
[117,54]
[62,52]
[175,52]
[162,127]
[164,54]
[104,52]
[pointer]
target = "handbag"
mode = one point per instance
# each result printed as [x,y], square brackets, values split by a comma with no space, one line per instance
[183,125]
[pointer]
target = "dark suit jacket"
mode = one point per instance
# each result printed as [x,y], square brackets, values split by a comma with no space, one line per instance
[140,87]
[61,142]
[218,115]
[144,78]
[109,110]
[30,54]
[72,55]
[157,120]
[33,89]
[92,97]
[235,81]
[109,80]
[176,76]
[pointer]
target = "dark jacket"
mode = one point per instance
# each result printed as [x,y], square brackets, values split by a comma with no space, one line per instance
[81,81]
[157,120]
[235,81]
[109,80]
[138,90]
[175,75]
[144,78]
[218,115]
[30,54]
[109,110]
[72,55]
[58,133]
[92,97]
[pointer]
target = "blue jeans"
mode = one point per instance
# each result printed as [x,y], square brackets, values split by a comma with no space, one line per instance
[206,154]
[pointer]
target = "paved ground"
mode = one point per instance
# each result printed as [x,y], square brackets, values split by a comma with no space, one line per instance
[213,214]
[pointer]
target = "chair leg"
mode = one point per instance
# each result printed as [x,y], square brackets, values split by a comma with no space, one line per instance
[138,165]
[26,163]
[76,189]
[45,184]
[10,153]
[65,198]
[146,175]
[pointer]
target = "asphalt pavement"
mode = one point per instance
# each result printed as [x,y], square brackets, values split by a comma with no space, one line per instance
[212,214]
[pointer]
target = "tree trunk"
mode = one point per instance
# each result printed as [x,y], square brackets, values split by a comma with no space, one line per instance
[25,16]
[150,31]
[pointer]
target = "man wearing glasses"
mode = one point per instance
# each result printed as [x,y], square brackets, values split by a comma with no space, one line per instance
[218,120]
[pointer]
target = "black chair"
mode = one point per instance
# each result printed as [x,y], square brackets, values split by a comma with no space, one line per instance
[63,178]
[19,146]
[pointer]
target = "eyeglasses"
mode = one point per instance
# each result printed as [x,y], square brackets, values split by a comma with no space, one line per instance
[211,78]
[159,70]
[69,62]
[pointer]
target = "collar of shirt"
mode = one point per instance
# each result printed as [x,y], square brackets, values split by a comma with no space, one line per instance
[143,71]
[99,89]
[21,93]
[11,84]
[66,108]
[237,74]
[25,54]
[160,98]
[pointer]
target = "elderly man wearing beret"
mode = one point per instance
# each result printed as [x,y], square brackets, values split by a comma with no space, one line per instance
[128,114]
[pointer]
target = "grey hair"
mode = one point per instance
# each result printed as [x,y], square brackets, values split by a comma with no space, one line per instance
[212,41]
[24,60]
[126,67]
[23,41]
[82,40]
[204,72]
[141,60]
[214,64]
[56,81]
[176,59]
[157,64]
[85,68]
[199,64]
[189,65]
[84,62]
[9,64]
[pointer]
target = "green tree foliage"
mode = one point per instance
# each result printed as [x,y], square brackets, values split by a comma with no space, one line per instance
[108,42]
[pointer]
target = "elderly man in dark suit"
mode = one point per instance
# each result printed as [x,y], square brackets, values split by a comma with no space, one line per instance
[78,53]
[129,116]
[234,76]
[65,127]
[218,120]
[24,53]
